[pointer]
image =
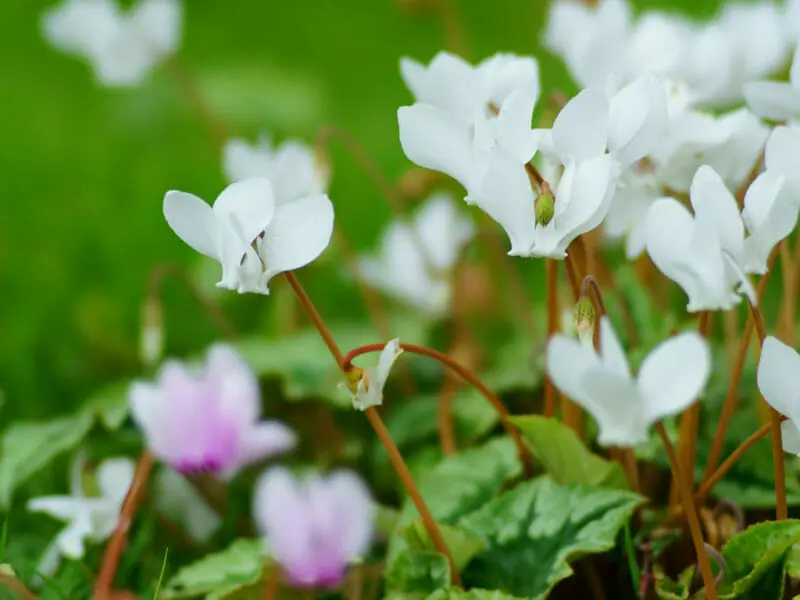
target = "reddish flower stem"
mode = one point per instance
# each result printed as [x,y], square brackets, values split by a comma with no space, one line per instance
[467,375]
[316,319]
[15,586]
[551,270]
[105,579]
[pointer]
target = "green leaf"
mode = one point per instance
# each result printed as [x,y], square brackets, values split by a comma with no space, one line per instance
[220,574]
[756,560]
[418,573]
[463,546]
[564,456]
[27,447]
[473,594]
[668,589]
[109,405]
[534,530]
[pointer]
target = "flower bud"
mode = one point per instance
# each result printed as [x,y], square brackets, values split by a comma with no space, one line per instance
[151,343]
[584,319]
[353,377]
[544,207]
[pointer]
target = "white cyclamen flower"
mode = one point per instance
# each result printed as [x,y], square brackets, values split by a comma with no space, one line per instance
[122,46]
[670,379]
[416,259]
[252,236]
[778,379]
[627,217]
[776,100]
[367,388]
[463,113]
[772,201]
[88,518]
[704,253]
[291,167]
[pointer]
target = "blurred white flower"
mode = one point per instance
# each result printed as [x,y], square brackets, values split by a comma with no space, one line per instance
[122,46]
[670,379]
[89,518]
[249,233]
[776,100]
[416,259]
[778,379]
[772,202]
[366,385]
[291,167]
[627,217]
[704,253]
[463,114]
[180,502]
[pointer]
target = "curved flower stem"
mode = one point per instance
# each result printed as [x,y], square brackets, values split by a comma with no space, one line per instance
[551,270]
[111,556]
[572,276]
[691,515]
[781,510]
[468,376]
[729,404]
[444,414]
[709,482]
[380,429]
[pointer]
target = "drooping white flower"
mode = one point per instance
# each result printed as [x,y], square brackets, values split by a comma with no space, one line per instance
[252,236]
[89,518]
[704,253]
[670,379]
[627,217]
[366,385]
[416,259]
[778,379]
[179,501]
[776,100]
[291,167]
[464,114]
[772,202]
[122,46]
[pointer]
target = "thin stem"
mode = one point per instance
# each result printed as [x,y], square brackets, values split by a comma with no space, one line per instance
[377,424]
[113,552]
[572,276]
[788,309]
[444,414]
[691,515]
[315,317]
[551,270]
[729,404]
[709,482]
[408,482]
[15,586]
[781,509]
[468,376]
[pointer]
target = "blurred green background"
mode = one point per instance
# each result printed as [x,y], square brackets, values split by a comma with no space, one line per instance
[83,170]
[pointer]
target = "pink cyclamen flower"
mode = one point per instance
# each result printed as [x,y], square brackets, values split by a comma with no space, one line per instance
[314,526]
[207,422]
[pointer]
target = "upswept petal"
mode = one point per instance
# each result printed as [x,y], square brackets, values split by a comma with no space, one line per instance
[295,173]
[568,361]
[433,139]
[506,196]
[616,404]
[159,23]
[773,99]
[388,355]
[114,477]
[265,439]
[193,221]
[249,204]
[673,375]
[353,510]
[611,352]
[300,231]
[70,540]
[782,149]
[504,73]
[236,386]
[794,72]
[778,377]
[580,131]
[80,26]
[63,508]
[637,119]
[448,83]
[514,133]
[443,229]
[241,160]
[770,217]
[715,207]
[790,436]
[585,192]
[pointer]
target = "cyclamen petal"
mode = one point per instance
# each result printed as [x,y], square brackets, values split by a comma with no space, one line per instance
[206,422]
[778,377]
[369,390]
[314,526]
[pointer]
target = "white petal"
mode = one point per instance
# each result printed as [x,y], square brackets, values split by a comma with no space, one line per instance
[773,100]
[249,204]
[299,233]
[637,119]
[715,207]
[386,359]
[63,508]
[48,563]
[616,404]
[78,26]
[611,352]
[433,139]
[794,72]
[295,173]
[503,74]
[770,218]
[506,196]
[193,221]
[114,477]
[673,375]
[443,230]
[790,437]
[778,377]
[782,150]
[514,132]
[70,540]
[568,361]
[581,128]
[159,23]
[242,161]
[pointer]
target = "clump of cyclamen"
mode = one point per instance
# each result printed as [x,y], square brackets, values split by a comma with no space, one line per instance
[314,526]
[207,422]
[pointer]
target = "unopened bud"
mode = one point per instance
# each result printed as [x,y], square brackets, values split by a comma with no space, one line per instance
[544,207]
[584,319]
[151,343]
[353,377]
